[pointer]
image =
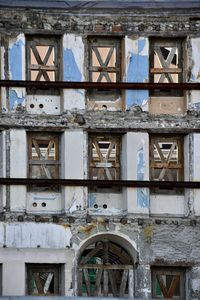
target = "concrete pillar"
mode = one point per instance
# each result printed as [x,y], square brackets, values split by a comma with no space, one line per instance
[196,171]
[135,166]
[194,64]
[143,282]
[73,157]
[18,168]
[13,279]
[16,61]
[136,70]
[73,70]
[2,168]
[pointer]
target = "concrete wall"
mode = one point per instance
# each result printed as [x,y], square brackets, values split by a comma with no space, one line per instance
[135,166]
[18,168]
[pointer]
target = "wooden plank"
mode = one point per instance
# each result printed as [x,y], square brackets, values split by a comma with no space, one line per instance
[92,253]
[165,70]
[106,267]
[105,283]
[162,285]
[97,289]
[173,286]
[113,282]
[123,283]
[87,281]
[38,283]
[80,282]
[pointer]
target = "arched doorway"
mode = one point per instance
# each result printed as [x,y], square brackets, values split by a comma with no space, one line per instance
[106,269]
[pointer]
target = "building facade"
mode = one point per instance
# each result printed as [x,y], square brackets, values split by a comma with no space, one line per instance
[99,181]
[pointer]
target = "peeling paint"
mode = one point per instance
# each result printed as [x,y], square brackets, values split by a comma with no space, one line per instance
[195,42]
[92,199]
[138,68]
[15,54]
[31,235]
[142,193]
[15,100]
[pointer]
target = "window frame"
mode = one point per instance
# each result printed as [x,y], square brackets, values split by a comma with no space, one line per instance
[40,40]
[175,271]
[107,138]
[156,139]
[167,42]
[102,42]
[50,268]
[37,162]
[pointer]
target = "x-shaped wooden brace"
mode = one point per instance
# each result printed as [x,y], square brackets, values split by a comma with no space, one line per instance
[165,63]
[174,283]
[103,69]
[43,157]
[104,160]
[165,161]
[42,63]
[43,289]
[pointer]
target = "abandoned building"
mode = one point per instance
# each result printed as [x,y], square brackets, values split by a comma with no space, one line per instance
[99,148]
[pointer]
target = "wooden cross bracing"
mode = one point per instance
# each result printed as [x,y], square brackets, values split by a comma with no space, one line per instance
[174,285]
[166,159]
[42,282]
[106,270]
[104,156]
[43,156]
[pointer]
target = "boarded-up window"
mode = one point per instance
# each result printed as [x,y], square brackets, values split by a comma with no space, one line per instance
[104,66]
[43,280]
[43,155]
[166,158]
[168,283]
[166,64]
[104,157]
[105,269]
[42,61]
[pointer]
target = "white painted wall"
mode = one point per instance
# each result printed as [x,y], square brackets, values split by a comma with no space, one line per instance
[13,278]
[2,168]
[196,171]
[167,205]
[18,168]
[73,70]
[135,166]
[194,96]
[73,168]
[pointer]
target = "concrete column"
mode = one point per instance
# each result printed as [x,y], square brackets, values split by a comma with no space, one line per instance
[73,70]
[194,64]
[135,166]
[143,282]
[13,279]
[18,168]
[136,70]
[196,171]
[2,169]
[73,157]
[16,61]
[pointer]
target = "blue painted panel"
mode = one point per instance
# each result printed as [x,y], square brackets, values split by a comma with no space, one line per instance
[92,199]
[142,193]
[138,71]
[15,60]
[14,99]
[71,70]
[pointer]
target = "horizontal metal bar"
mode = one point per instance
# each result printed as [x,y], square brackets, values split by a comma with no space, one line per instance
[101,183]
[100,85]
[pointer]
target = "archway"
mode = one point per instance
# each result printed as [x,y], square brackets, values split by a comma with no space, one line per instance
[106,268]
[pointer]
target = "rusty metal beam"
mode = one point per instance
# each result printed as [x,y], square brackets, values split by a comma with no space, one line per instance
[101,183]
[99,85]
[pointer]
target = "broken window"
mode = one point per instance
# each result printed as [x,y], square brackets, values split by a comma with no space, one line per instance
[43,280]
[43,155]
[105,269]
[168,283]
[42,59]
[166,64]
[104,66]
[104,157]
[166,158]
